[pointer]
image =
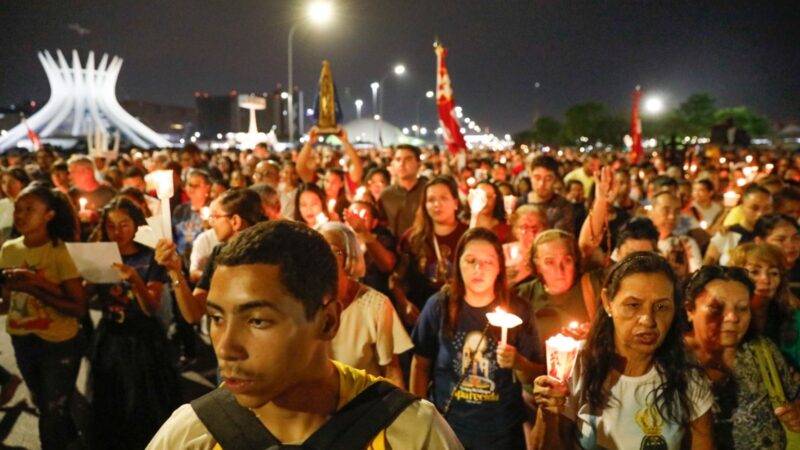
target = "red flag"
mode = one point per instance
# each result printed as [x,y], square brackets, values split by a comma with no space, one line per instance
[636,128]
[37,143]
[447,107]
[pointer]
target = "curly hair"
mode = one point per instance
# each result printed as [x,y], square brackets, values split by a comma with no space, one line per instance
[64,225]
[671,359]
[306,264]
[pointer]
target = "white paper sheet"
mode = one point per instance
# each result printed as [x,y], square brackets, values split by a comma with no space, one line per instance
[158,227]
[94,260]
[6,213]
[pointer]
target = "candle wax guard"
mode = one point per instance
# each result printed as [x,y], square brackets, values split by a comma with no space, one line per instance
[560,352]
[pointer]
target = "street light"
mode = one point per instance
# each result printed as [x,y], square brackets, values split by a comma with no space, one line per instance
[398,70]
[654,105]
[319,12]
[359,104]
[428,94]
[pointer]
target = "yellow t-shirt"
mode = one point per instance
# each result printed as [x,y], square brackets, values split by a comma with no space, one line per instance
[734,217]
[27,314]
[419,426]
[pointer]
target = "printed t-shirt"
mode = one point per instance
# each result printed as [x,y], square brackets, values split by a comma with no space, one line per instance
[119,300]
[27,314]
[631,420]
[488,398]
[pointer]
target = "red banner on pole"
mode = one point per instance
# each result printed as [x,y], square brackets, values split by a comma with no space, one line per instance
[636,128]
[35,141]
[451,129]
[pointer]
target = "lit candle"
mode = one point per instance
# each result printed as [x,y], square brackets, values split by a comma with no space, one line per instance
[83,203]
[741,182]
[561,351]
[504,320]
[769,167]
[360,193]
[703,224]
[730,199]
[509,202]
[748,158]
[205,212]
[471,181]
[331,205]
[573,326]
[477,201]
[722,160]
[321,218]
[161,181]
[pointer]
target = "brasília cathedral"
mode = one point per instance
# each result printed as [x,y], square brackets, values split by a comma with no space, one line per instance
[82,102]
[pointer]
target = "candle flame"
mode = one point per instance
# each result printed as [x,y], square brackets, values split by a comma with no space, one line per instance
[500,318]
[360,192]
[573,325]
[205,212]
[331,204]
[83,202]
[321,218]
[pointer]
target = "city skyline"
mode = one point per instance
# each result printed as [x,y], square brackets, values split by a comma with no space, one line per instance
[507,63]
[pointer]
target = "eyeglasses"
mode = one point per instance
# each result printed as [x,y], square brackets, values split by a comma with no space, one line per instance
[217,216]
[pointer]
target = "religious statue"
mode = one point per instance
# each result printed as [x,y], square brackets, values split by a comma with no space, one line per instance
[328,112]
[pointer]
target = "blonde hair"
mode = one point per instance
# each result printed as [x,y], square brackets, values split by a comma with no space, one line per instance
[554,234]
[766,253]
[525,210]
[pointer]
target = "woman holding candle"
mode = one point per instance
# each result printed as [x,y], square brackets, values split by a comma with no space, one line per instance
[718,307]
[560,293]
[309,206]
[493,215]
[756,201]
[456,349]
[427,249]
[633,385]
[775,311]
[134,385]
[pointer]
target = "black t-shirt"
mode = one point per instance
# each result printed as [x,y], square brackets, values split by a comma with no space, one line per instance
[373,277]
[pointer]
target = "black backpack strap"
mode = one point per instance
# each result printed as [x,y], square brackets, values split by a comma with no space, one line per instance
[358,422]
[232,425]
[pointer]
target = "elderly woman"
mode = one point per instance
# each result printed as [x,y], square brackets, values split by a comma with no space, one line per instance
[632,385]
[560,293]
[718,307]
[776,312]
[370,333]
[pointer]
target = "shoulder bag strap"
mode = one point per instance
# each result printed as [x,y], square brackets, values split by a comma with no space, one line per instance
[359,422]
[232,425]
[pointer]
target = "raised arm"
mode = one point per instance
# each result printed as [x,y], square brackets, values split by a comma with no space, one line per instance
[593,228]
[305,159]
[356,169]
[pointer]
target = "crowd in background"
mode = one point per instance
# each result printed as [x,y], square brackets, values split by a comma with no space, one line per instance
[681,271]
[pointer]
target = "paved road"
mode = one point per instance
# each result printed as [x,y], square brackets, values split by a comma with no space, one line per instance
[18,418]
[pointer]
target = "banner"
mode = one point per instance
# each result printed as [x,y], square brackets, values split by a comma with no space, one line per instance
[35,141]
[636,128]
[451,129]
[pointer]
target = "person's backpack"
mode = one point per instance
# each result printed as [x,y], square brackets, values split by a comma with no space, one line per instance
[353,427]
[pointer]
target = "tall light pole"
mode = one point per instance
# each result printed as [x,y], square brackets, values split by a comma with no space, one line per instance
[359,104]
[428,94]
[398,70]
[318,12]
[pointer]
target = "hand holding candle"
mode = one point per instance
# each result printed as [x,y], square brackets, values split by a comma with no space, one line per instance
[561,352]
[477,201]
[509,202]
[83,203]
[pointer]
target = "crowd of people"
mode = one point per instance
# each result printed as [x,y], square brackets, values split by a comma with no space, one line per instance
[678,272]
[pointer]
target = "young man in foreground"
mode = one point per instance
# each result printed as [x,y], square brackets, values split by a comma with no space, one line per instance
[273,313]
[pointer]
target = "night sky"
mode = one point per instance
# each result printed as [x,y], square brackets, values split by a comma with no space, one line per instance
[741,52]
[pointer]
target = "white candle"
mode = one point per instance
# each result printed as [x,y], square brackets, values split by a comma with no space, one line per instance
[331,205]
[561,352]
[748,158]
[161,181]
[703,224]
[205,212]
[504,320]
[321,218]
[360,192]
[470,181]
[509,202]
[730,199]
[83,203]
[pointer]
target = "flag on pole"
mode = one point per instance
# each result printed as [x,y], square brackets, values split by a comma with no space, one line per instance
[451,129]
[636,128]
[35,141]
